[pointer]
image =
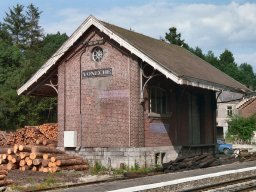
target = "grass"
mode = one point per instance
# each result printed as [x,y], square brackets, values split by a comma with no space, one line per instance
[50,181]
[98,169]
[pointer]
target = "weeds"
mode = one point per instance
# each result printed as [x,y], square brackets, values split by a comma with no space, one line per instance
[98,168]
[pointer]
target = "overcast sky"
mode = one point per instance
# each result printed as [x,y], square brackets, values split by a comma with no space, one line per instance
[210,25]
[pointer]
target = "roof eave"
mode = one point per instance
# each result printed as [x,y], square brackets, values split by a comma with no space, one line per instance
[144,57]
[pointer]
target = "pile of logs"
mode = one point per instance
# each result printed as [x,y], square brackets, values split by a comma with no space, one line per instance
[191,162]
[3,174]
[245,155]
[31,135]
[49,130]
[40,158]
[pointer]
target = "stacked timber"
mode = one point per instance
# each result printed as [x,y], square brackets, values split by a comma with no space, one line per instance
[49,130]
[191,162]
[3,176]
[245,155]
[45,134]
[40,158]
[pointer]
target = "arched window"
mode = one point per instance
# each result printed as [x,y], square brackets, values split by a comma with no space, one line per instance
[159,100]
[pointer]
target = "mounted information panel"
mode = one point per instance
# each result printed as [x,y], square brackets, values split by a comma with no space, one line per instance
[97,73]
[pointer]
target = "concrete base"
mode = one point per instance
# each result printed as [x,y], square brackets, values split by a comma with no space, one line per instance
[130,157]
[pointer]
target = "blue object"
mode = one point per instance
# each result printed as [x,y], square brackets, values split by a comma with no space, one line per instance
[224,147]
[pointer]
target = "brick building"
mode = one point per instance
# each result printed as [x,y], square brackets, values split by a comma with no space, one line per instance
[247,107]
[127,98]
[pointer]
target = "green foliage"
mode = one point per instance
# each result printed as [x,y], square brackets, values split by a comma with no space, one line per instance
[225,62]
[15,23]
[175,38]
[241,128]
[23,49]
[98,168]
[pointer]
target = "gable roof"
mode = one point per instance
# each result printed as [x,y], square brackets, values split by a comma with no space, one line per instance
[175,62]
[245,102]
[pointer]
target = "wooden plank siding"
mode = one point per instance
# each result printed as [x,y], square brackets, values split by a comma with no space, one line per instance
[192,120]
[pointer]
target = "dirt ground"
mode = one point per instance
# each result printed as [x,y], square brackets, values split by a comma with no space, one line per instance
[32,181]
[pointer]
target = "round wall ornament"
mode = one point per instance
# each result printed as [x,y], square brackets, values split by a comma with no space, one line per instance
[97,54]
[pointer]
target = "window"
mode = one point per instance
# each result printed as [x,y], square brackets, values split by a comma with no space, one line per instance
[159,100]
[229,110]
[97,54]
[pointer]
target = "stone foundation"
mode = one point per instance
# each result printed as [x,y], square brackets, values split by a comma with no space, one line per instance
[116,157]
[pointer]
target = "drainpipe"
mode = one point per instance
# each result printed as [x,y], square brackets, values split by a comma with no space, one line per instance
[80,100]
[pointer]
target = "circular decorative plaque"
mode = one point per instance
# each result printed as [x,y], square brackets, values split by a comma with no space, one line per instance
[97,54]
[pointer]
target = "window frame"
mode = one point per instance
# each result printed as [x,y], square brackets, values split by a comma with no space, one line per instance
[229,110]
[161,107]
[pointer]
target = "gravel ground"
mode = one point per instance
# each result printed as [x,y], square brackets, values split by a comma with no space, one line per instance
[31,181]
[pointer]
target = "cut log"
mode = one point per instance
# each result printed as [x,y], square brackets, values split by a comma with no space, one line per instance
[71,162]
[23,155]
[29,162]
[66,157]
[3,161]
[49,141]
[53,159]
[35,155]
[3,172]
[45,162]
[44,149]
[9,151]
[74,167]
[52,145]
[3,167]
[37,161]
[11,166]
[15,148]
[45,169]
[9,157]
[6,182]
[24,168]
[45,156]
[34,168]
[22,163]
[3,150]
[27,159]
[4,156]
[39,142]
[24,148]
[15,159]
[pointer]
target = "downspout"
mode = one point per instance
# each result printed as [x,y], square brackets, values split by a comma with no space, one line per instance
[65,90]
[80,100]
[129,102]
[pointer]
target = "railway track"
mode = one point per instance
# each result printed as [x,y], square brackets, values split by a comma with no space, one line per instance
[241,185]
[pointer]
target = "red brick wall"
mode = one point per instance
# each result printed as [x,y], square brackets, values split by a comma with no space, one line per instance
[248,110]
[111,112]
[112,115]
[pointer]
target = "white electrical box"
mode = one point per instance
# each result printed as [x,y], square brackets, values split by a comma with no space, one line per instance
[70,139]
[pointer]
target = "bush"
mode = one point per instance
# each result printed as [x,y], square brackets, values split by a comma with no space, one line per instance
[241,128]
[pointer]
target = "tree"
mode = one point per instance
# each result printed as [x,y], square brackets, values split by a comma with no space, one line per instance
[175,38]
[212,59]
[15,23]
[227,57]
[23,49]
[248,77]
[198,51]
[4,35]
[34,32]
[241,128]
